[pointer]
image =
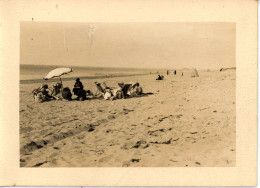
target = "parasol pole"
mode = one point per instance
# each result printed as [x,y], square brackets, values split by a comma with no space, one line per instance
[60,80]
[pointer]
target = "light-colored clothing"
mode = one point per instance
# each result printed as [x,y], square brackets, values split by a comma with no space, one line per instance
[39,98]
[118,94]
[107,95]
[134,92]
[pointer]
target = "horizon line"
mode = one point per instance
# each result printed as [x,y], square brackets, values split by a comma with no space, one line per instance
[170,68]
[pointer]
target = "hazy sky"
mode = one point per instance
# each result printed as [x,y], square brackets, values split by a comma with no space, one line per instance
[140,45]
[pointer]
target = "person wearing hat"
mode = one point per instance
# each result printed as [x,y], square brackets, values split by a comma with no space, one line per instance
[77,86]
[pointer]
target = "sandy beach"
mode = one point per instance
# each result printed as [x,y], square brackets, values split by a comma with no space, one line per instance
[185,122]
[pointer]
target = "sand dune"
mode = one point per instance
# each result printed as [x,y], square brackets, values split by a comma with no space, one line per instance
[186,122]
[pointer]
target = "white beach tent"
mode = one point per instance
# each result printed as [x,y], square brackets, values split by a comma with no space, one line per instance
[194,73]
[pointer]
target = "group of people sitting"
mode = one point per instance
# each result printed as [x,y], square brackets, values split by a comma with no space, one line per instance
[59,93]
[121,92]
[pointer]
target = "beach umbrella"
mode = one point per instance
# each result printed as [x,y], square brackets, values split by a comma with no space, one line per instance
[58,72]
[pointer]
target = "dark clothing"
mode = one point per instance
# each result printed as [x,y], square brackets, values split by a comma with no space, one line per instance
[82,95]
[66,94]
[76,90]
[79,85]
[160,77]
[46,93]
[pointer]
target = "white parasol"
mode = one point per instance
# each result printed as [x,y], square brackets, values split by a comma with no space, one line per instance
[57,73]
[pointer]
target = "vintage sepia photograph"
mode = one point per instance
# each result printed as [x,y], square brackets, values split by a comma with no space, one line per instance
[127,94]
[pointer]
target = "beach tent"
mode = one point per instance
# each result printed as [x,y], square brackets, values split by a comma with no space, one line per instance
[194,73]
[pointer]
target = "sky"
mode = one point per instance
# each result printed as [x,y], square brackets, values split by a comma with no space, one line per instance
[136,45]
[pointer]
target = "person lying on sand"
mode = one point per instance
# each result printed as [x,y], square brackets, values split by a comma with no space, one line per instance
[136,90]
[118,94]
[124,90]
[100,88]
[108,93]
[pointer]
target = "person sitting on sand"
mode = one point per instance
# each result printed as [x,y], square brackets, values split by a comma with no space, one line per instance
[41,94]
[66,93]
[82,95]
[160,77]
[57,88]
[77,86]
[46,93]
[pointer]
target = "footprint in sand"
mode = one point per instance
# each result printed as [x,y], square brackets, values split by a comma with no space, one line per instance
[105,159]
[190,139]
[102,121]
[135,160]
[141,144]
[111,117]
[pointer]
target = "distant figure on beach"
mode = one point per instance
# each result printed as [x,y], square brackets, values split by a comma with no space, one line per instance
[160,77]
[175,72]
[182,74]
[167,72]
[77,86]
